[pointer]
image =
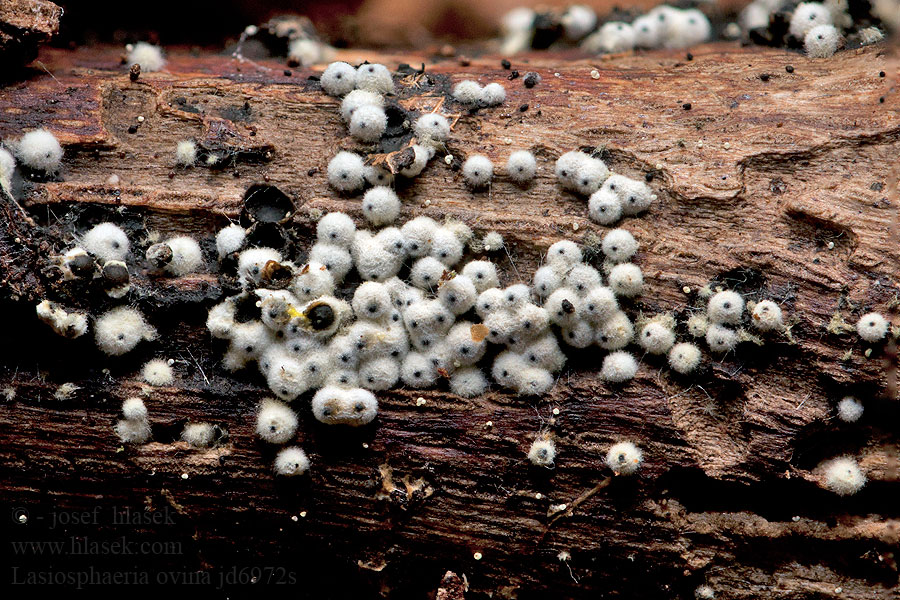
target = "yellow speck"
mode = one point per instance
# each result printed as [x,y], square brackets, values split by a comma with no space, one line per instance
[140,119]
[686,290]
[184,475]
[595,74]
[420,401]
[303,514]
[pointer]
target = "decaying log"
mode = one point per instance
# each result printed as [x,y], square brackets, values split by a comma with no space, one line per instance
[781,185]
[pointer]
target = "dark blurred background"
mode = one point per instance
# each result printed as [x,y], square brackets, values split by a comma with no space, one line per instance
[342,22]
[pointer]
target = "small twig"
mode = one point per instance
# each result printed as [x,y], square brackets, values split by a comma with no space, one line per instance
[571,506]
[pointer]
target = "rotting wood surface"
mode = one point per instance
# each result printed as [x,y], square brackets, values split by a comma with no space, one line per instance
[790,196]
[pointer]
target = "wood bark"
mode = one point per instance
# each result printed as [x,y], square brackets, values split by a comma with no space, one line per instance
[779,184]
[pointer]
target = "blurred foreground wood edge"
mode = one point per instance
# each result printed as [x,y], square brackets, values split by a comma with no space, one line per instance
[24,24]
[780,184]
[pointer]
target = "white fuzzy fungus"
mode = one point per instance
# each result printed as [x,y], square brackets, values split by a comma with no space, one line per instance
[346,172]
[656,338]
[612,37]
[290,462]
[357,99]
[843,476]
[477,171]
[306,51]
[336,228]
[374,78]
[626,279]
[276,423]
[252,261]
[186,255]
[119,330]
[624,458]
[604,207]
[7,168]
[381,206]
[230,239]
[368,123]
[133,431]
[807,16]
[521,166]
[493,94]
[468,382]
[542,452]
[467,92]
[199,435]
[185,153]
[492,241]
[432,127]
[721,339]
[619,245]
[134,409]
[849,409]
[157,372]
[150,57]
[578,21]
[618,367]
[338,79]
[337,406]
[767,316]
[822,41]
[39,150]
[872,327]
[684,357]
[106,241]
[725,308]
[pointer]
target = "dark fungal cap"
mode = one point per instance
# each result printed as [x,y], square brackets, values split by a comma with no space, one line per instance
[321,316]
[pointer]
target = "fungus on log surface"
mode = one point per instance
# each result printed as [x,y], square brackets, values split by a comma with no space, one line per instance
[783,189]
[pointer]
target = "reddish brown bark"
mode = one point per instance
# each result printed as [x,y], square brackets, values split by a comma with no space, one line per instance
[791,196]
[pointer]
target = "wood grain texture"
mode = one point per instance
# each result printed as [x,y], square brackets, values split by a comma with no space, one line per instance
[788,165]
